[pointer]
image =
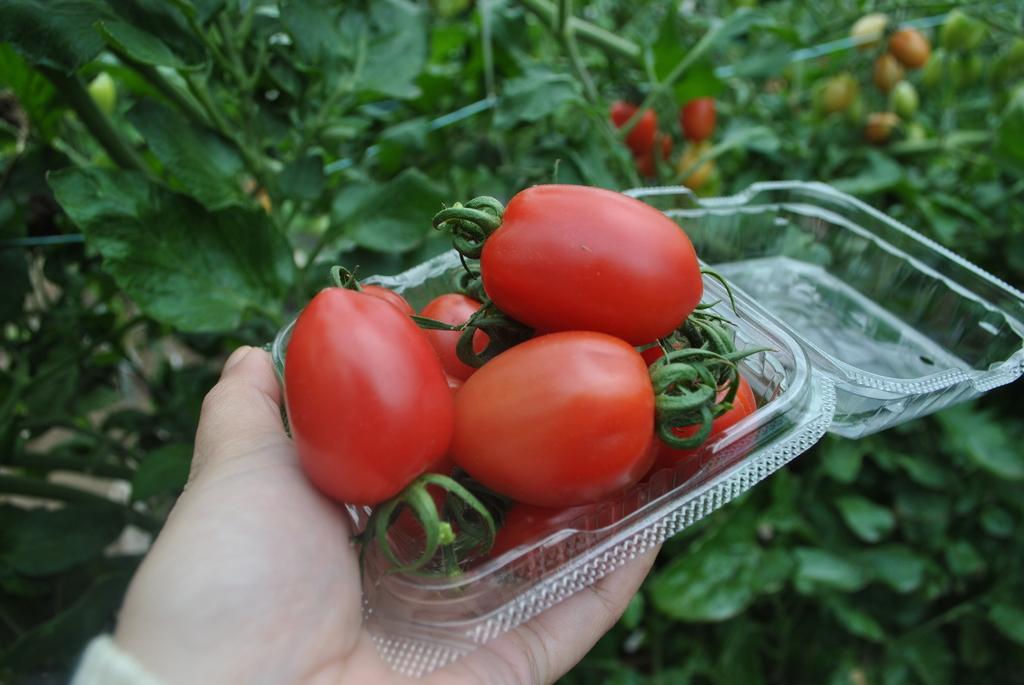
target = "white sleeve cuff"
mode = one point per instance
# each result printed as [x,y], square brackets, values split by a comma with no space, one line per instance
[104,663]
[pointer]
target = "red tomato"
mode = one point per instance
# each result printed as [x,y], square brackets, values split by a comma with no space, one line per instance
[453,383]
[697,119]
[573,258]
[559,420]
[368,403]
[744,404]
[390,296]
[454,309]
[645,162]
[641,139]
[525,524]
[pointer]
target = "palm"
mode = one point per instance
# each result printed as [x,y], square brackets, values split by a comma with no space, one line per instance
[253,578]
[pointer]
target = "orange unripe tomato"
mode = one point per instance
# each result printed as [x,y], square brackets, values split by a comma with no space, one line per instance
[880,127]
[888,72]
[910,47]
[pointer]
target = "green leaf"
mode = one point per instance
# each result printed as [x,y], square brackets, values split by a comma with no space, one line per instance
[700,81]
[533,96]
[855,621]
[1011,128]
[897,566]
[399,141]
[15,283]
[397,49]
[841,460]
[868,521]
[201,162]
[62,637]
[929,657]
[163,470]
[817,568]
[718,582]
[393,216]
[882,173]
[303,179]
[997,522]
[983,438]
[48,541]
[53,33]
[1008,620]
[963,560]
[35,93]
[194,269]
[634,612]
[139,45]
[314,27]
[739,22]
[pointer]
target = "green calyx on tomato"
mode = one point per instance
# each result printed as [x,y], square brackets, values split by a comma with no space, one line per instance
[343,278]
[475,535]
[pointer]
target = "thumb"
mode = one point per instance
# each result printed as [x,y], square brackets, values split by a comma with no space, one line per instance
[241,413]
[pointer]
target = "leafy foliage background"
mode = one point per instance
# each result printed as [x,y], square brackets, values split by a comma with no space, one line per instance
[253,143]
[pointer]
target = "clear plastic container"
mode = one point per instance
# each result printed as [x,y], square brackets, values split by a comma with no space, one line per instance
[903,326]
[867,324]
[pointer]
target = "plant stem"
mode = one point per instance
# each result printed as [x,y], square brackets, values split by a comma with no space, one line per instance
[49,462]
[564,31]
[170,91]
[33,487]
[96,121]
[595,35]
[254,164]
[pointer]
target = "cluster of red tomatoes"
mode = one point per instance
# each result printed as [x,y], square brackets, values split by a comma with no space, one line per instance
[587,361]
[645,141]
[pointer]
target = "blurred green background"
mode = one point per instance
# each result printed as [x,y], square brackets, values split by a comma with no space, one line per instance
[177,177]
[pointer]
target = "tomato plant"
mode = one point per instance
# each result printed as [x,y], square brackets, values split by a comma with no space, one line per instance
[641,139]
[454,309]
[560,420]
[910,47]
[368,404]
[888,72]
[697,119]
[578,258]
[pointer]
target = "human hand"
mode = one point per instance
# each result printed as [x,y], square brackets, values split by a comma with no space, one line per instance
[253,578]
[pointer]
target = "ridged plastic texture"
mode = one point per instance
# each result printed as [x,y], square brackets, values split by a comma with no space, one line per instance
[903,326]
